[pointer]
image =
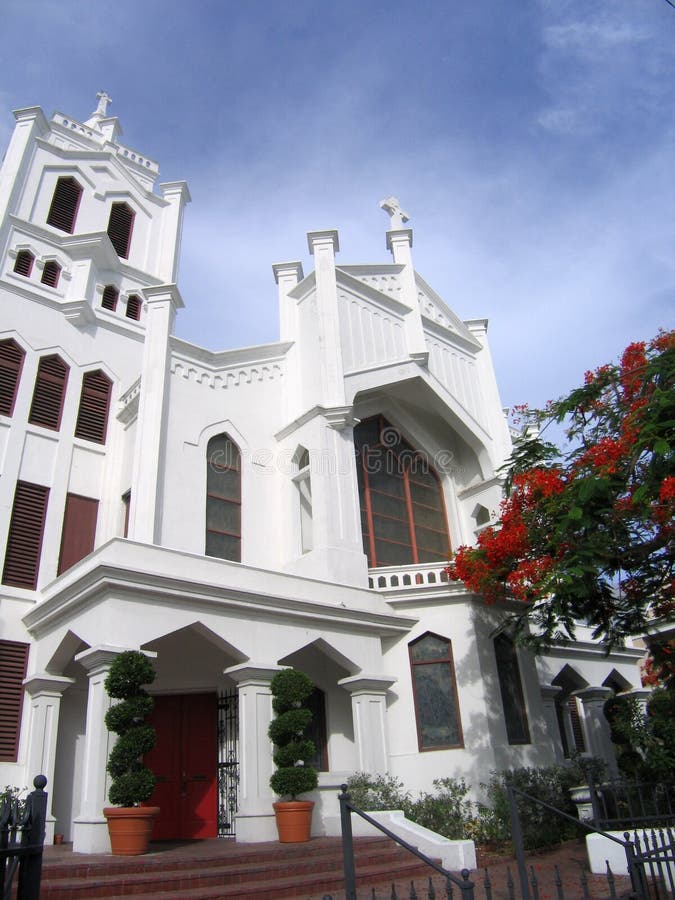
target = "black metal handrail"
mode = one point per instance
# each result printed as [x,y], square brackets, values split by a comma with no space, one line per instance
[346,809]
[621,804]
[22,836]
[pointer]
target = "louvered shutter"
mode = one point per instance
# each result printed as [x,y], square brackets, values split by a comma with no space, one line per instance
[11,363]
[79,530]
[92,415]
[24,263]
[110,295]
[65,203]
[26,527]
[50,387]
[134,307]
[577,728]
[13,665]
[120,225]
[50,273]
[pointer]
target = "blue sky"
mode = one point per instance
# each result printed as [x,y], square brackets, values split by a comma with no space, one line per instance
[532,143]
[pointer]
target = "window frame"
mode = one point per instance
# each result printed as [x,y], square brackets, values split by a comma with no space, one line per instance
[23,552]
[64,208]
[214,498]
[78,532]
[51,280]
[449,661]
[24,262]
[122,230]
[511,691]
[93,408]
[13,669]
[47,383]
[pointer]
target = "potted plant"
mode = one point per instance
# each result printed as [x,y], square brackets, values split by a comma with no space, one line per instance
[290,691]
[129,823]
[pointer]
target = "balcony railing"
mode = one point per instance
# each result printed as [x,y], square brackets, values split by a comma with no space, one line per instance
[402,577]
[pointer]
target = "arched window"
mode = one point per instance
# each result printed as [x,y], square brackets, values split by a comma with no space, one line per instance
[51,273]
[49,393]
[511,689]
[92,413]
[303,483]
[567,711]
[223,499]
[110,297]
[11,363]
[403,517]
[65,203]
[120,226]
[23,264]
[435,692]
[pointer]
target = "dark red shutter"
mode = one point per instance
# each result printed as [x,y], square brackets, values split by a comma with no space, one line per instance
[13,666]
[79,530]
[110,295]
[134,307]
[120,225]
[50,388]
[577,728]
[50,273]
[65,203]
[26,527]
[24,263]
[92,415]
[11,363]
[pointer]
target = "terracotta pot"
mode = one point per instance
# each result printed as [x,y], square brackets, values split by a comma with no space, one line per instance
[294,820]
[130,828]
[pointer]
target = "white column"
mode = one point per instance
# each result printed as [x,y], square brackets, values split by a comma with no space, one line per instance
[399,243]
[549,694]
[369,711]
[596,726]
[90,828]
[287,275]
[162,303]
[323,246]
[30,124]
[255,819]
[45,692]
[177,195]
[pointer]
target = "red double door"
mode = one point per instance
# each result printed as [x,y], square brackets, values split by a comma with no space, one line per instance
[184,762]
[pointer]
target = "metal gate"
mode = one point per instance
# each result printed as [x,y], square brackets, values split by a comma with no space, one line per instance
[228,763]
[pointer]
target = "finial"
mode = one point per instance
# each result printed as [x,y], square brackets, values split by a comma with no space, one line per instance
[398,216]
[101,110]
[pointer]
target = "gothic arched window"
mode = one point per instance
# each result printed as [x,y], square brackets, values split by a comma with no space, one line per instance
[435,692]
[403,519]
[223,499]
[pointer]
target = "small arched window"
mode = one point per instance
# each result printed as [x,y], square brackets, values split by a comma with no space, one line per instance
[11,363]
[65,203]
[110,297]
[49,393]
[303,484]
[134,307]
[435,692]
[120,226]
[403,517]
[51,273]
[223,499]
[23,264]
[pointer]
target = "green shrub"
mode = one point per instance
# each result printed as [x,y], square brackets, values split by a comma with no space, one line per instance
[290,689]
[132,782]
[376,792]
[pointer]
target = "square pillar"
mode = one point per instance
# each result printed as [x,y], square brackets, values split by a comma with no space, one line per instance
[255,819]
[596,727]
[90,828]
[45,692]
[369,710]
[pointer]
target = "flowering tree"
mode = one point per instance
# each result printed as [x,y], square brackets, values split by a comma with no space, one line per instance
[586,533]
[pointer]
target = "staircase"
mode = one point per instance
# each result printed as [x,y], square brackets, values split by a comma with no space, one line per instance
[206,870]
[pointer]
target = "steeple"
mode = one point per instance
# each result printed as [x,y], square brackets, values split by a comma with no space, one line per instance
[108,126]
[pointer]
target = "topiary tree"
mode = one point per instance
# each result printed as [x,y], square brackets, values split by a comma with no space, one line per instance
[290,689]
[132,782]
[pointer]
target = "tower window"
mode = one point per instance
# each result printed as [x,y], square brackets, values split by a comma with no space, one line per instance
[110,297]
[23,265]
[65,203]
[51,273]
[511,689]
[435,693]
[79,530]
[134,307]
[303,483]
[14,659]
[11,363]
[120,226]
[92,414]
[223,499]
[24,542]
[403,518]
[48,396]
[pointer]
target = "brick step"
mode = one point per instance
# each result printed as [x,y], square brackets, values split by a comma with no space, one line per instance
[281,871]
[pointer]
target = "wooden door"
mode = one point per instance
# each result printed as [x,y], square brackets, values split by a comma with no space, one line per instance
[184,762]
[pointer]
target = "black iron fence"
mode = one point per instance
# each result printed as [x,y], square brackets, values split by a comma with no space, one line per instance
[627,804]
[22,836]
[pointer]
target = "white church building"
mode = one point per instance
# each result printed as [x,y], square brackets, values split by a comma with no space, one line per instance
[236,511]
